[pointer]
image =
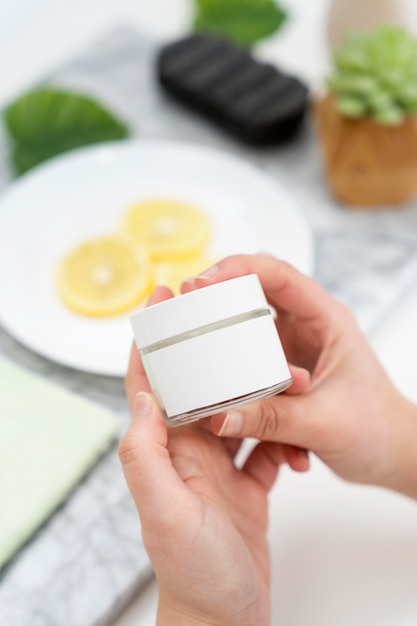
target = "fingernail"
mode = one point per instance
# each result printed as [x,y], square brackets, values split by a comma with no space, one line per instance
[209,272]
[232,424]
[188,282]
[154,297]
[142,405]
[206,275]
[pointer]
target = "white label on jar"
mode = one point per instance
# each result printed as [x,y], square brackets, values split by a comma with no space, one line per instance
[217,366]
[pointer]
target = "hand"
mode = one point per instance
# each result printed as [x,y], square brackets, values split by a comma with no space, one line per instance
[204,520]
[350,415]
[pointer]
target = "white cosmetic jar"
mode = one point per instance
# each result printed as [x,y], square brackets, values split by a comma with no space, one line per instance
[210,350]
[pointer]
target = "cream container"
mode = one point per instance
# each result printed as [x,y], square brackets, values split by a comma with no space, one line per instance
[210,350]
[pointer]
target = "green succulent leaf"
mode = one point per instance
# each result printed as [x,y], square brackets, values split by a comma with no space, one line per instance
[391,116]
[408,95]
[379,70]
[46,122]
[243,21]
[380,101]
[351,60]
[351,107]
[360,85]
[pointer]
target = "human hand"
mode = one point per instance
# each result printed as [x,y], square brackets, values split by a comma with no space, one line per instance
[350,415]
[204,521]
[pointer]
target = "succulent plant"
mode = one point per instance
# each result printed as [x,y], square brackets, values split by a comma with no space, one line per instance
[376,75]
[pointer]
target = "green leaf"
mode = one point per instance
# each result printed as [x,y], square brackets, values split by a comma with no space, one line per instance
[351,60]
[408,96]
[390,117]
[379,102]
[379,70]
[46,121]
[350,84]
[351,107]
[243,21]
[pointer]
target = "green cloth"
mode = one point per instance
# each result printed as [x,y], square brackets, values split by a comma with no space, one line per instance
[49,438]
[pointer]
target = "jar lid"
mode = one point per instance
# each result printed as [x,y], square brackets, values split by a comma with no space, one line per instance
[198,308]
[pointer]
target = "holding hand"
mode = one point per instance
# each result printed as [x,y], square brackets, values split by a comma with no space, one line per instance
[351,415]
[204,521]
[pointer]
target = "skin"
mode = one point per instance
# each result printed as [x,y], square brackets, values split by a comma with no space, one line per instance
[204,520]
[209,551]
[350,415]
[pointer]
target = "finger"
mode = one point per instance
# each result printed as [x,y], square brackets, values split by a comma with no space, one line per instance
[290,419]
[297,458]
[285,287]
[136,379]
[301,379]
[159,294]
[232,445]
[263,463]
[149,473]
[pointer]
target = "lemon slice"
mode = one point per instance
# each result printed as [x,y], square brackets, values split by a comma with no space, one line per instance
[170,230]
[105,276]
[173,273]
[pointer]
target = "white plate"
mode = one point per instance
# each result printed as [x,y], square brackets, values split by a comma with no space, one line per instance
[85,193]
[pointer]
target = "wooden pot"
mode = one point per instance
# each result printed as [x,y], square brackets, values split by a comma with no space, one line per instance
[367,164]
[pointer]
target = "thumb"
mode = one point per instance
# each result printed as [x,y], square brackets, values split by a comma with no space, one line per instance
[282,418]
[151,478]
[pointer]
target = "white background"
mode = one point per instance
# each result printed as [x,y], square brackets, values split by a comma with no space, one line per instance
[343,555]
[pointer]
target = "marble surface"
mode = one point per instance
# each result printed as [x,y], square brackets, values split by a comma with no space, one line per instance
[86,563]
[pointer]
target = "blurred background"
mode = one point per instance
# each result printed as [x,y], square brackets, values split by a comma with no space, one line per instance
[35,36]
[39,35]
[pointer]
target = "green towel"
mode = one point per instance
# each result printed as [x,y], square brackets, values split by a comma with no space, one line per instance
[49,438]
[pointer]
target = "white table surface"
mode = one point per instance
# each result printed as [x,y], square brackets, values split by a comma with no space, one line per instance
[343,555]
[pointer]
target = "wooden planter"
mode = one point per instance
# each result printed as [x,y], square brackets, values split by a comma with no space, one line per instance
[367,164]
